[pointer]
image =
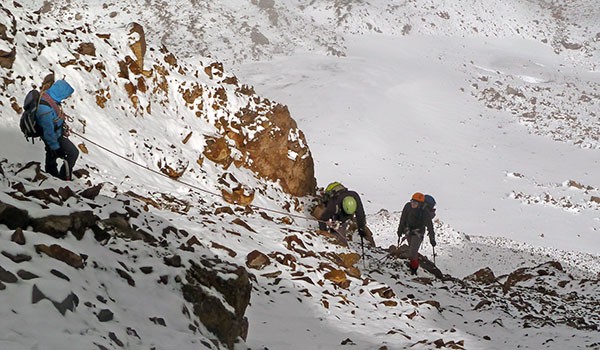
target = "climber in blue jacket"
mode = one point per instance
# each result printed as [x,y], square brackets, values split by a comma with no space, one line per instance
[51,118]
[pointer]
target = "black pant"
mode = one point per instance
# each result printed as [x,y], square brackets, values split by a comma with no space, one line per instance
[71,155]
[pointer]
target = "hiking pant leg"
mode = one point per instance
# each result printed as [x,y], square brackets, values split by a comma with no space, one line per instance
[50,166]
[71,153]
[414,243]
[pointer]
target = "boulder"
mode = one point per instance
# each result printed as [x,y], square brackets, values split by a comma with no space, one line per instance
[56,226]
[59,253]
[7,276]
[218,318]
[7,58]
[70,302]
[482,276]
[13,217]
[336,276]
[279,152]
[18,236]
[92,192]
[268,142]
[257,260]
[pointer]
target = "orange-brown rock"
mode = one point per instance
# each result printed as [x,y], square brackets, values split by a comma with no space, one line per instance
[82,148]
[238,196]
[284,259]
[229,251]
[293,240]
[214,69]
[257,260]
[173,173]
[384,292]
[277,155]
[137,42]
[7,58]
[101,98]
[336,276]
[353,272]
[218,151]
[191,94]
[349,259]
[390,303]
[87,49]
[332,238]
[171,59]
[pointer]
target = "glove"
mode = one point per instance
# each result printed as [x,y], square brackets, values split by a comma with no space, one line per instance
[432,241]
[361,232]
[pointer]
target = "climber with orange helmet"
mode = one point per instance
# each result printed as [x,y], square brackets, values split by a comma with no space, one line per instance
[413,221]
[341,206]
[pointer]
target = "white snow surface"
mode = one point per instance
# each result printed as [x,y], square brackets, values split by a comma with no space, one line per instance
[387,110]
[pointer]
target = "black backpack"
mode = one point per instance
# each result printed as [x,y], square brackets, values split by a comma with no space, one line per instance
[28,122]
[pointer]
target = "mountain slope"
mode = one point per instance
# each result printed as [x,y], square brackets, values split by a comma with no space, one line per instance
[238,31]
[183,208]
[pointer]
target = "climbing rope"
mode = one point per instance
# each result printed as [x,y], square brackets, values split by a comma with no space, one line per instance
[186,183]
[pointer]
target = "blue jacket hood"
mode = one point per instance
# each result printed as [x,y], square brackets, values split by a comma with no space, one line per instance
[60,90]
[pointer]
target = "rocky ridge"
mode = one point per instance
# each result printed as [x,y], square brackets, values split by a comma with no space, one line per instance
[268,28]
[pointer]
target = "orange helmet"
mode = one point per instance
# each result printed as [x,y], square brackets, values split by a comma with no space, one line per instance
[419,197]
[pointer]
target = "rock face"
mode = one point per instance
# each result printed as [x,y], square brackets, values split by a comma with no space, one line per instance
[271,145]
[279,153]
[209,275]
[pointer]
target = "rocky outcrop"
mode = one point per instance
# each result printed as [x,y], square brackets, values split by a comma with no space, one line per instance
[279,152]
[13,217]
[271,145]
[137,42]
[226,321]
[59,225]
[8,29]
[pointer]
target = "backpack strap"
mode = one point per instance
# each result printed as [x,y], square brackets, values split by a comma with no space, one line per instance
[50,102]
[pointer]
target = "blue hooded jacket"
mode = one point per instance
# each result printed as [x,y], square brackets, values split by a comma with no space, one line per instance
[47,119]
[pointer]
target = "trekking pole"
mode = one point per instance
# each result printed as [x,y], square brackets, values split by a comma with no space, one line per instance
[433,255]
[362,247]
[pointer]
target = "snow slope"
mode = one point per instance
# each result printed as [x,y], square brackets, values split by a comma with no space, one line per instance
[412,124]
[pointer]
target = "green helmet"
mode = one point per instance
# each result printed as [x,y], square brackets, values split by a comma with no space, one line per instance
[334,186]
[349,205]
